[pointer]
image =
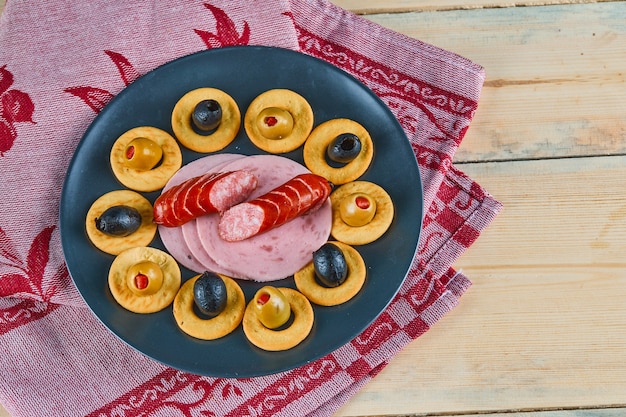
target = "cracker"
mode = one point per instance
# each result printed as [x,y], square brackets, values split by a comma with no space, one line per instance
[277,340]
[325,296]
[149,180]
[290,101]
[150,303]
[225,132]
[371,231]
[116,244]
[209,328]
[316,146]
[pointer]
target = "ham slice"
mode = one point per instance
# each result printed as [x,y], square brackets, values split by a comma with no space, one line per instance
[275,254]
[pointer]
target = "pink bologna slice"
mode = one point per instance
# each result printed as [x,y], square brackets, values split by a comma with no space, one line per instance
[173,237]
[192,240]
[277,253]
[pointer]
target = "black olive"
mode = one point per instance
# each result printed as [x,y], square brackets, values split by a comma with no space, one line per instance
[119,221]
[329,263]
[209,293]
[344,148]
[207,115]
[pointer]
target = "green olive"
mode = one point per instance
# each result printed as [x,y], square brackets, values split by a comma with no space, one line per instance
[357,209]
[272,307]
[274,123]
[143,154]
[144,278]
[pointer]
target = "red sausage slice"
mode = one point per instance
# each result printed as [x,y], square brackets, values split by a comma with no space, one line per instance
[274,208]
[209,193]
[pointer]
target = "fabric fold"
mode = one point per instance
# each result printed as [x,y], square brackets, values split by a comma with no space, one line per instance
[59,359]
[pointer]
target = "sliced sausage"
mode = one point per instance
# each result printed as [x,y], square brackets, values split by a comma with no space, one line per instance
[300,195]
[208,193]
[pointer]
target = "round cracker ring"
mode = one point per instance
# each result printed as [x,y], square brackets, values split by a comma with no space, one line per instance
[332,296]
[115,244]
[287,100]
[282,339]
[216,140]
[146,180]
[149,303]
[315,149]
[361,235]
[209,328]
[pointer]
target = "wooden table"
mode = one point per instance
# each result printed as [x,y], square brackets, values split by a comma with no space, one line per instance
[542,332]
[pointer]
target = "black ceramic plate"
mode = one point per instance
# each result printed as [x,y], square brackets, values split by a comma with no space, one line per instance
[243,72]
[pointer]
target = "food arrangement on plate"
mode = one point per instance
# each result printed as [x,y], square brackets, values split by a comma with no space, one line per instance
[231,217]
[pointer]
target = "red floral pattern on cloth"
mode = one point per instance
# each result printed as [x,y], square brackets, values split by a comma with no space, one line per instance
[15,107]
[433,94]
[97,98]
[226,33]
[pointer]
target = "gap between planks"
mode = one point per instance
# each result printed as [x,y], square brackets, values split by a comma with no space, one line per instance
[555,77]
[617,411]
[370,7]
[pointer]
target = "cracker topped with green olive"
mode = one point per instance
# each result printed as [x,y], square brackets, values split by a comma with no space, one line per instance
[144,158]
[266,322]
[144,280]
[278,121]
[362,212]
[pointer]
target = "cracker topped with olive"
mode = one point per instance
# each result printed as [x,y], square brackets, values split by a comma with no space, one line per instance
[206,119]
[278,121]
[209,306]
[362,212]
[120,220]
[144,280]
[145,158]
[278,318]
[341,150]
[335,275]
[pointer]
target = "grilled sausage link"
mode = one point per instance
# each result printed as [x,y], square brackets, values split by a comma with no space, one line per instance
[300,195]
[208,193]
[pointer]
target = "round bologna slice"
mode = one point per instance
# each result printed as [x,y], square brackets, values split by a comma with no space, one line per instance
[174,237]
[190,233]
[277,253]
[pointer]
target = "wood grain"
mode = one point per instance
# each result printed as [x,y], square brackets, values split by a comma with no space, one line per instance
[398,6]
[544,324]
[555,82]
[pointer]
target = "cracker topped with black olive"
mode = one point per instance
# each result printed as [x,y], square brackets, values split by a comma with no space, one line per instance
[119,220]
[209,306]
[341,150]
[335,275]
[206,119]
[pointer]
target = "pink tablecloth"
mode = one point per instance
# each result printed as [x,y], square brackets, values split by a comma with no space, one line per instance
[61,62]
